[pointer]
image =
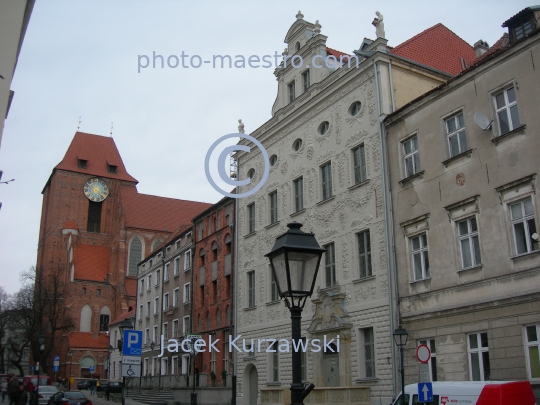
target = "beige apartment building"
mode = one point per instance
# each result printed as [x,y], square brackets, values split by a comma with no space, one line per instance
[464,163]
[324,148]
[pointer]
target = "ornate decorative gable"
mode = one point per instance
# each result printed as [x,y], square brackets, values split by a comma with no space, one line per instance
[330,313]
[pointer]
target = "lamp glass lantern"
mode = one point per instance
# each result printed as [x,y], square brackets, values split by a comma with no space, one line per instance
[295,260]
[400,336]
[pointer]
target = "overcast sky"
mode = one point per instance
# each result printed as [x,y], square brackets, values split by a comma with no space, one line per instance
[79,58]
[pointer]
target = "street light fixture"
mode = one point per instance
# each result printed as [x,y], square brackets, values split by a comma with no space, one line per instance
[295,260]
[125,324]
[400,338]
[70,355]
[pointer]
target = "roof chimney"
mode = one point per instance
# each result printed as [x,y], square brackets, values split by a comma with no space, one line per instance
[480,47]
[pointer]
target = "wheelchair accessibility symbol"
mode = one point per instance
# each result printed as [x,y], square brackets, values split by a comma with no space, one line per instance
[130,372]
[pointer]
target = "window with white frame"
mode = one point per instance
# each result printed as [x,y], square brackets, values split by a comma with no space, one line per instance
[251,218]
[164,365]
[291,88]
[298,194]
[326,180]
[433,359]
[274,293]
[149,282]
[420,259]
[165,331]
[141,292]
[507,110]
[273,207]
[185,325]
[177,244]
[330,265]
[140,312]
[364,254]
[251,289]
[156,305]
[187,260]
[469,243]
[155,334]
[185,364]
[154,365]
[366,353]
[167,274]
[186,297]
[359,160]
[411,156]
[174,366]
[147,335]
[478,356]
[175,329]
[524,226]
[158,277]
[176,297]
[455,131]
[145,370]
[305,79]
[533,350]
[166,302]
[176,266]
[147,309]
[273,362]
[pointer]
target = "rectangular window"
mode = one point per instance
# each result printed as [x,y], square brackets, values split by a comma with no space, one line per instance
[166,302]
[112,168]
[326,176]
[167,272]
[166,331]
[274,362]
[251,218]
[185,325]
[175,328]
[478,356]
[369,352]
[524,226]
[82,163]
[251,289]
[158,277]
[469,243]
[274,293]
[177,244]
[290,87]
[156,305]
[522,29]
[359,158]
[147,309]
[187,260]
[412,158]
[147,335]
[142,286]
[433,359]
[186,293]
[533,354]
[149,282]
[507,110]
[200,230]
[455,129]
[299,194]
[364,254]
[177,266]
[94,216]
[420,259]
[176,297]
[305,80]
[141,312]
[155,334]
[330,265]
[103,323]
[273,207]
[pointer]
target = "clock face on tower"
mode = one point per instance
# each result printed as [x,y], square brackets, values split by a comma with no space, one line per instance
[96,189]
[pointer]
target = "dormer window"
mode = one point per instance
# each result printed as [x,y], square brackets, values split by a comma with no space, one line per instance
[82,163]
[112,168]
[522,29]
[523,23]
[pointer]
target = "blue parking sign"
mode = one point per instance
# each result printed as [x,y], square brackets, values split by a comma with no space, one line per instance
[132,345]
[425,392]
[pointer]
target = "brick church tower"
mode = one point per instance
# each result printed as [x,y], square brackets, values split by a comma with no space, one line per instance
[95,229]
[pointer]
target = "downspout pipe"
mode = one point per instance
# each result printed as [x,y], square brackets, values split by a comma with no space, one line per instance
[234,271]
[387,225]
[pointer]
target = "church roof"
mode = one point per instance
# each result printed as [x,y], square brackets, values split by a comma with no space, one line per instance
[439,48]
[158,213]
[92,262]
[99,152]
[120,318]
[86,340]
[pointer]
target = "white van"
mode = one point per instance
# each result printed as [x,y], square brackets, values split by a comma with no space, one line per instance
[472,393]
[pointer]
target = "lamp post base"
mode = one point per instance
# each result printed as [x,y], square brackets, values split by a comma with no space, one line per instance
[193,398]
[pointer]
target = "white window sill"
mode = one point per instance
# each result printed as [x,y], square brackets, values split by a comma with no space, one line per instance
[250,234]
[273,302]
[250,308]
[298,212]
[359,185]
[421,280]
[478,267]
[360,280]
[328,199]
[534,252]
[370,379]
[271,225]
[518,130]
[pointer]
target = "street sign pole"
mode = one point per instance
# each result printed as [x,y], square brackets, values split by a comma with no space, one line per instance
[131,357]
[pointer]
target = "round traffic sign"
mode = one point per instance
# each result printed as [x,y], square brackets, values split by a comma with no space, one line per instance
[423,354]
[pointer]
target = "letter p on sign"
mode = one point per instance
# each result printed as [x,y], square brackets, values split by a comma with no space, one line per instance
[132,343]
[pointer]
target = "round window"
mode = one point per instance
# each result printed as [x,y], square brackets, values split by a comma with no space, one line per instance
[323,128]
[251,173]
[273,160]
[297,144]
[355,108]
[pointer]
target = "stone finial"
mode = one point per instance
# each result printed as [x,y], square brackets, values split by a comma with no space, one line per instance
[299,16]
[285,52]
[240,127]
[317,29]
[379,25]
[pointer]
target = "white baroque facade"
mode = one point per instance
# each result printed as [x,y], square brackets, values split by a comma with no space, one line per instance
[326,174]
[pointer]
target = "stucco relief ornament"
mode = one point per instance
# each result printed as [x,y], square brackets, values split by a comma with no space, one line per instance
[379,25]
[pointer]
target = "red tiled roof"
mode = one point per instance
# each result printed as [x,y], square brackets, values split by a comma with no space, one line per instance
[437,47]
[337,54]
[98,151]
[502,43]
[125,315]
[91,262]
[157,213]
[87,340]
[70,224]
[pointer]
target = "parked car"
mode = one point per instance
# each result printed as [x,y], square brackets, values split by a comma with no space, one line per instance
[45,392]
[69,398]
[111,387]
[86,384]
[30,381]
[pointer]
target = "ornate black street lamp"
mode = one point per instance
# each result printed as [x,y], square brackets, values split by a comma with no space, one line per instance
[295,260]
[400,338]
